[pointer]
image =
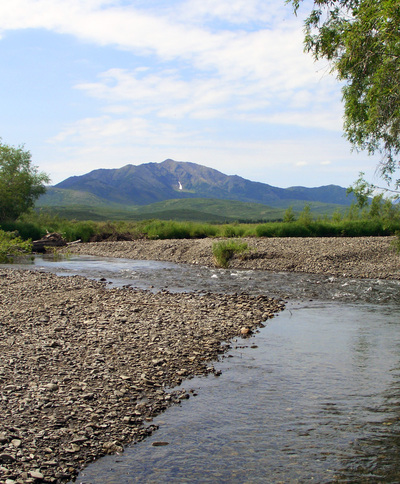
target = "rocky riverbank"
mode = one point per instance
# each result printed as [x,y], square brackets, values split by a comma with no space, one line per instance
[358,257]
[83,368]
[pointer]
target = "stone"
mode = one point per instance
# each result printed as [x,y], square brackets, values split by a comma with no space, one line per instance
[52,387]
[3,438]
[36,475]
[6,458]
[87,382]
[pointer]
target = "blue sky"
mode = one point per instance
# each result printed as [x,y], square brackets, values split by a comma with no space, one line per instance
[89,84]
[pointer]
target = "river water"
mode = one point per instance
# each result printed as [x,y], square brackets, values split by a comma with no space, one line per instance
[313,397]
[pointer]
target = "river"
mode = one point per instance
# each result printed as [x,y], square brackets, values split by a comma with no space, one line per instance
[314,396]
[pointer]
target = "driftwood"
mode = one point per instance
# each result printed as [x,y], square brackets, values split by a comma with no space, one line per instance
[74,242]
[50,240]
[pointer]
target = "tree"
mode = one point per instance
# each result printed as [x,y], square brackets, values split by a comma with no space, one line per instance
[362,190]
[289,215]
[361,40]
[20,182]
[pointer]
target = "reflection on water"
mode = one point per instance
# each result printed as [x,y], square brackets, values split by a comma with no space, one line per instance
[314,396]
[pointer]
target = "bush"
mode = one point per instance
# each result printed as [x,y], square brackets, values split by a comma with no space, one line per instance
[77,230]
[26,230]
[224,251]
[232,231]
[12,245]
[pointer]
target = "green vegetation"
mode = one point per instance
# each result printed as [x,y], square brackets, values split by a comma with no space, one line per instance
[224,251]
[360,38]
[376,216]
[11,246]
[204,210]
[20,182]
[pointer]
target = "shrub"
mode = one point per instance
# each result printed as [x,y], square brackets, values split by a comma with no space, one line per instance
[26,230]
[232,231]
[224,251]
[11,245]
[77,230]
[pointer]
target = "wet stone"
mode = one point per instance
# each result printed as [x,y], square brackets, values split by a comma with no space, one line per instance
[87,377]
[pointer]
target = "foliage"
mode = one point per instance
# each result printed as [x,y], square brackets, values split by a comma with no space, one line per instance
[20,182]
[232,230]
[25,230]
[305,217]
[12,245]
[361,40]
[380,217]
[158,229]
[223,251]
[289,215]
[183,210]
[362,190]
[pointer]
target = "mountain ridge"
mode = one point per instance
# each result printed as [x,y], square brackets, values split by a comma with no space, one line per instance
[156,182]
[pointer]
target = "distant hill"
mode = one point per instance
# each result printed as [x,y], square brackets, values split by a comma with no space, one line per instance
[150,183]
[64,203]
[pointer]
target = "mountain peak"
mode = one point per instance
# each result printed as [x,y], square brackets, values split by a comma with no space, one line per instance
[170,179]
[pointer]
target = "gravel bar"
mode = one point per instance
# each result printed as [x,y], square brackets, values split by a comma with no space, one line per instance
[85,368]
[356,257]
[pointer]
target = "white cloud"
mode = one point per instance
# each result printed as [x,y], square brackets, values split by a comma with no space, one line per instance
[196,62]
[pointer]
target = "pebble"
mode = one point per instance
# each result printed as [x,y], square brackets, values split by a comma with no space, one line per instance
[84,369]
[359,257]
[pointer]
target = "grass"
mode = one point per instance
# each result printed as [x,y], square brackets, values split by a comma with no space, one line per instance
[354,223]
[36,226]
[223,251]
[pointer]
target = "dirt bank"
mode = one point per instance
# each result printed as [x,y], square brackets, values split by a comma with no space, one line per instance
[361,257]
[83,369]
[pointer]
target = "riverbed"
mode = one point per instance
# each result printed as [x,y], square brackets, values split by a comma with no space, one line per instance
[313,396]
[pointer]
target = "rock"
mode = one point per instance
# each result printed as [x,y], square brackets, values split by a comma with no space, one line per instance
[78,381]
[6,458]
[36,475]
[112,447]
[3,438]
[51,387]
[73,448]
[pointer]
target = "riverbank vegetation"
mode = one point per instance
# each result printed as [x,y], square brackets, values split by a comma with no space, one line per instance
[11,245]
[223,251]
[380,218]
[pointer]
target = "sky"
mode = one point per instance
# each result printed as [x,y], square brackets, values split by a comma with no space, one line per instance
[88,84]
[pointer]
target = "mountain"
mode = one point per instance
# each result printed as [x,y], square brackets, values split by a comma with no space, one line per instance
[156,182]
